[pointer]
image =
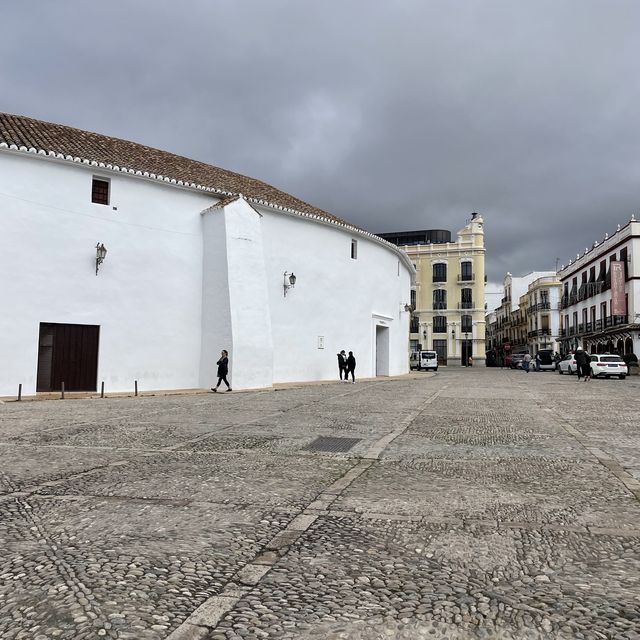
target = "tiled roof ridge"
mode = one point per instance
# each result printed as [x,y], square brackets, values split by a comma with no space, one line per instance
[33,136]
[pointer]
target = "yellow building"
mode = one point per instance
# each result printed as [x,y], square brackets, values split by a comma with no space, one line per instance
[449,305]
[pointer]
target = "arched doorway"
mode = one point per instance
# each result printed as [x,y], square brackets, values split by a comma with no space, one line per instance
[620,347]
[609,347]
[628,345]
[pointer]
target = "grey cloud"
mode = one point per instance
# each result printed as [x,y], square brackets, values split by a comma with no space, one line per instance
[394,115]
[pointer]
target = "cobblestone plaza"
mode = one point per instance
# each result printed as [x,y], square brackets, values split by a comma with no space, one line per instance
[474,503]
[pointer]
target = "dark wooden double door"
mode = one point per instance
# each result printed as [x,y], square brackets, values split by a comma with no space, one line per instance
[68,353]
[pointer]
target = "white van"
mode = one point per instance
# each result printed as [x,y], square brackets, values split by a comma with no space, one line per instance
[423,360]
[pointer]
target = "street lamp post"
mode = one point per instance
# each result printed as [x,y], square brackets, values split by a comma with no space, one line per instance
[466,346]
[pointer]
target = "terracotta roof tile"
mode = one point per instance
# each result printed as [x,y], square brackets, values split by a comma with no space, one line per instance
[57,138]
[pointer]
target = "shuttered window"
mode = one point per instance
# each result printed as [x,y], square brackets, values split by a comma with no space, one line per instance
[100,191]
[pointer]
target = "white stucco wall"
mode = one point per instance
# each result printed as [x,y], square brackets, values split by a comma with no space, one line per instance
[335,297]
[178,285]
[147,295]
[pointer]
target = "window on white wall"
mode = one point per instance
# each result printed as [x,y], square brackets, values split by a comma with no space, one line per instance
[354,249]
[100,191]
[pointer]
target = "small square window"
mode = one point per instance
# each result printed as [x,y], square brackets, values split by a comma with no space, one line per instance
[354,249]
[100,191]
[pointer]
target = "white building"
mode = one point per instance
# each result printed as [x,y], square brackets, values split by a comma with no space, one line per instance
[588,317]
[510,333]
[192,267]
[543,314]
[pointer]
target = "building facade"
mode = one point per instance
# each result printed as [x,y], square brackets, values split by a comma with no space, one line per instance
[513,317]
[198,259]
[600,304]
[449,305]
[543,314]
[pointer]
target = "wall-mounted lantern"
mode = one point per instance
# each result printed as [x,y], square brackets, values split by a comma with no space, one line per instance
[101,254]
[289,281]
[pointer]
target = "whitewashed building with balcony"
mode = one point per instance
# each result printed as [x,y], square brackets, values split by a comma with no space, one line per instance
[588,313]
[543,314]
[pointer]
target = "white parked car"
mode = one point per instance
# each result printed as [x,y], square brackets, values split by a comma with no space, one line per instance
[605,365]
[568,365]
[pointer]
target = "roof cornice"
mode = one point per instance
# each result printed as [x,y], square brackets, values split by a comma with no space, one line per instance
[68,159]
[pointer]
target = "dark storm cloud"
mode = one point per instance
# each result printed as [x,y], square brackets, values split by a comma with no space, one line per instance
[394,115]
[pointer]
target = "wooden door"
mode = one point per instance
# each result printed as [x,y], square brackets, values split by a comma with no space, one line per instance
[440,347]
[68,353]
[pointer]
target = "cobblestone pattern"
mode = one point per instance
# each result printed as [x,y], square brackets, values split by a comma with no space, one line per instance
[487,518]
[240,478]
[28,465]
[471,580]
[121,569]
[545,490]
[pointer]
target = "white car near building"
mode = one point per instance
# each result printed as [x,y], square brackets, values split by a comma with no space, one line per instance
[568,365]
[605,365]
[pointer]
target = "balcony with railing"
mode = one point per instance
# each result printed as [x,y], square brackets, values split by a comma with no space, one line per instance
[541,306]
[466,305]
[537,333]
[466,277]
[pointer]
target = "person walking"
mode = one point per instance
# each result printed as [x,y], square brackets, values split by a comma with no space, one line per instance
[526,362]
[538,361]
[351,368]
[583,364]
[342,364]
[223,370]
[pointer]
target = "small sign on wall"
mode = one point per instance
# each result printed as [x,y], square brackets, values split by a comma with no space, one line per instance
[320,342]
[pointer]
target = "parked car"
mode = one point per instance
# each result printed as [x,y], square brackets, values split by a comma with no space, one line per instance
[516,360]
[547,363]
[605,365]
[568,364]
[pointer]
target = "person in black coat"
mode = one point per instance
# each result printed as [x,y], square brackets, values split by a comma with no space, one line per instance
[351,367]
[342,364]
[223,370]
[583,364]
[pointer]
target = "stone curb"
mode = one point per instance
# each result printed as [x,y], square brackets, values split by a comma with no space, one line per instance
[91,395]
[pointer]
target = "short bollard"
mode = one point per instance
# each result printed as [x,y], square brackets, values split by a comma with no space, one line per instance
[19,392]
[102,389]
[62,389]
[136,385]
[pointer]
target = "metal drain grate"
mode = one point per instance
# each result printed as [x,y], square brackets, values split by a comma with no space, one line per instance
[332,445]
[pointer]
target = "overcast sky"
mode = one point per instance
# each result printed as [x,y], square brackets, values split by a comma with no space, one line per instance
[392,114]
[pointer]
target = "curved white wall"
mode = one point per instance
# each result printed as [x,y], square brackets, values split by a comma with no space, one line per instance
[335,297]
[150,298]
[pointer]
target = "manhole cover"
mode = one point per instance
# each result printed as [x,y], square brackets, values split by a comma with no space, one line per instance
[334,445]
